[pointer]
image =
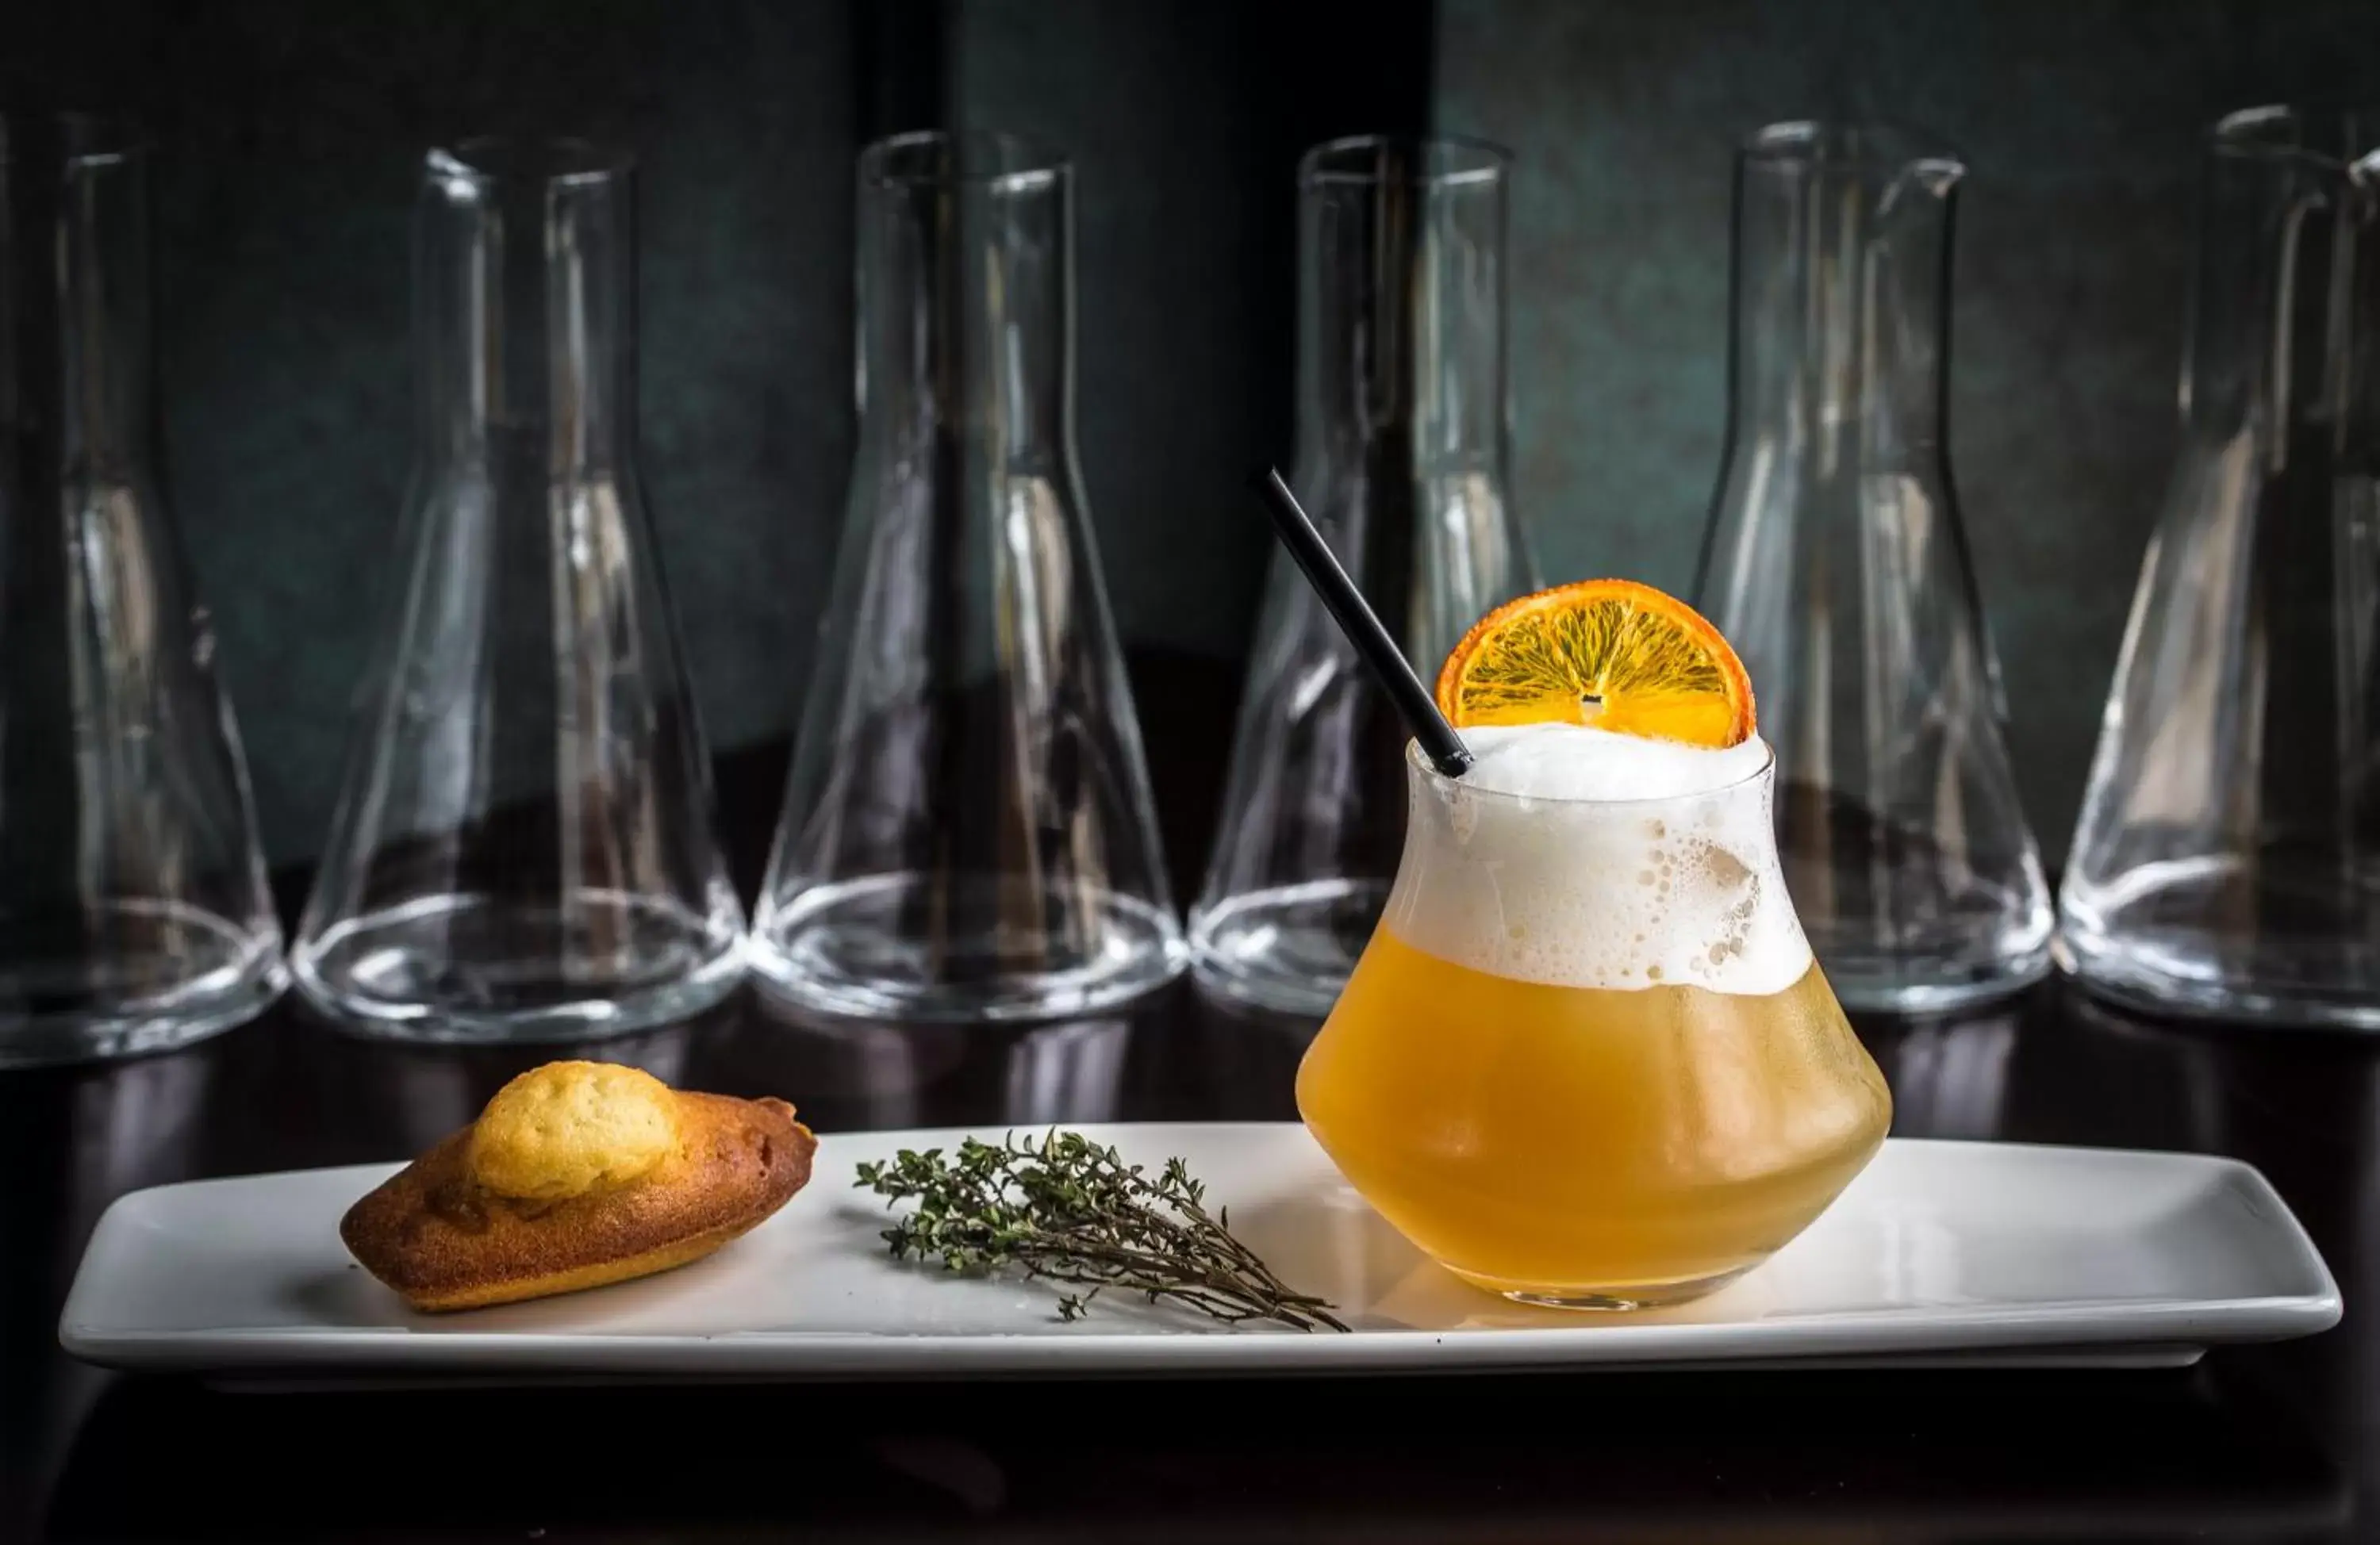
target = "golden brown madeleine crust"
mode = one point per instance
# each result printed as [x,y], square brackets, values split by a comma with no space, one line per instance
[442,1238]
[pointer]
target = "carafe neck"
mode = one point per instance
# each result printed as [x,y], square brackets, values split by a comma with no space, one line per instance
[1400,306]
[967,300]
[525,316]
[2285,325]
[76,393]
[1840,338]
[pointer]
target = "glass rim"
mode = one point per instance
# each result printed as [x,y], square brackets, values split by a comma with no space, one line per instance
[990,158]
[1421,764]
[88,138]
[488,159]
[2247,134]
[1470,162]
[1850,140]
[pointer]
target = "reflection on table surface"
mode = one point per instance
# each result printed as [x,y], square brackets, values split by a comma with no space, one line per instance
[2253,1442]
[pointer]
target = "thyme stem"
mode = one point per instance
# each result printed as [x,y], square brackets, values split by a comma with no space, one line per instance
[1067,1210]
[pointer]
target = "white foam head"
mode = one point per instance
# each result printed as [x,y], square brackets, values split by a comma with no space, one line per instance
[1578,858]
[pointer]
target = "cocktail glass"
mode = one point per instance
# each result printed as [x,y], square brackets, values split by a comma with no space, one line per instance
[1587,1058]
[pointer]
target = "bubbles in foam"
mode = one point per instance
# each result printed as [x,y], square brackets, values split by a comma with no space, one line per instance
[1545,864]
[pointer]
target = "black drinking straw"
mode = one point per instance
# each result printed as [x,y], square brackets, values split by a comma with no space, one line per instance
[1439,742]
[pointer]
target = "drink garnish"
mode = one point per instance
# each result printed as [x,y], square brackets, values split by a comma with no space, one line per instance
[1067,1210]
[1609,653]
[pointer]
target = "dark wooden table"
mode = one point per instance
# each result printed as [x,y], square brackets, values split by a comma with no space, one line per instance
[2277,1441]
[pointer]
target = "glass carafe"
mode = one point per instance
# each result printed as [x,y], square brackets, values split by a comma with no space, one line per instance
[1587,1058]
[133,909]
[2227,859]
[1400,457]
[967,831]
[1835,563]
[524,848]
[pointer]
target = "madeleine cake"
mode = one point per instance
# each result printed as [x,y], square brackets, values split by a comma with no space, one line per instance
[577,1174]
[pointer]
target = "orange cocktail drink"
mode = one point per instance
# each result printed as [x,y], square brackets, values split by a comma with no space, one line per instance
[1587,1057]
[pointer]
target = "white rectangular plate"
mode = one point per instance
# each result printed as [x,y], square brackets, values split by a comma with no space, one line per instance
[1940,1253]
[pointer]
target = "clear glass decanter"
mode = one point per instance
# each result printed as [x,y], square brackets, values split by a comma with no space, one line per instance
[2227,860]
[525,845]
[1400,457]
[967,831]
[1835,563]
[134,916]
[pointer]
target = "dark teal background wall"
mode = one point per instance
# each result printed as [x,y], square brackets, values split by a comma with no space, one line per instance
[289,134]
[2080,121]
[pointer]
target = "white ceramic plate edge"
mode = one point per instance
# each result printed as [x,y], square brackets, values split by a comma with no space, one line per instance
[2126,1331]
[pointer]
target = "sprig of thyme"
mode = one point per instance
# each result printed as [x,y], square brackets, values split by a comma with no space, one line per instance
[1067,1210]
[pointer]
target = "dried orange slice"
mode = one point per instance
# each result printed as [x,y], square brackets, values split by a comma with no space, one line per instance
[1610,653]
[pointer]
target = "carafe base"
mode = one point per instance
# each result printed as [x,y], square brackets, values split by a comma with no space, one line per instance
[192,975]
[481,970]
[983,949]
